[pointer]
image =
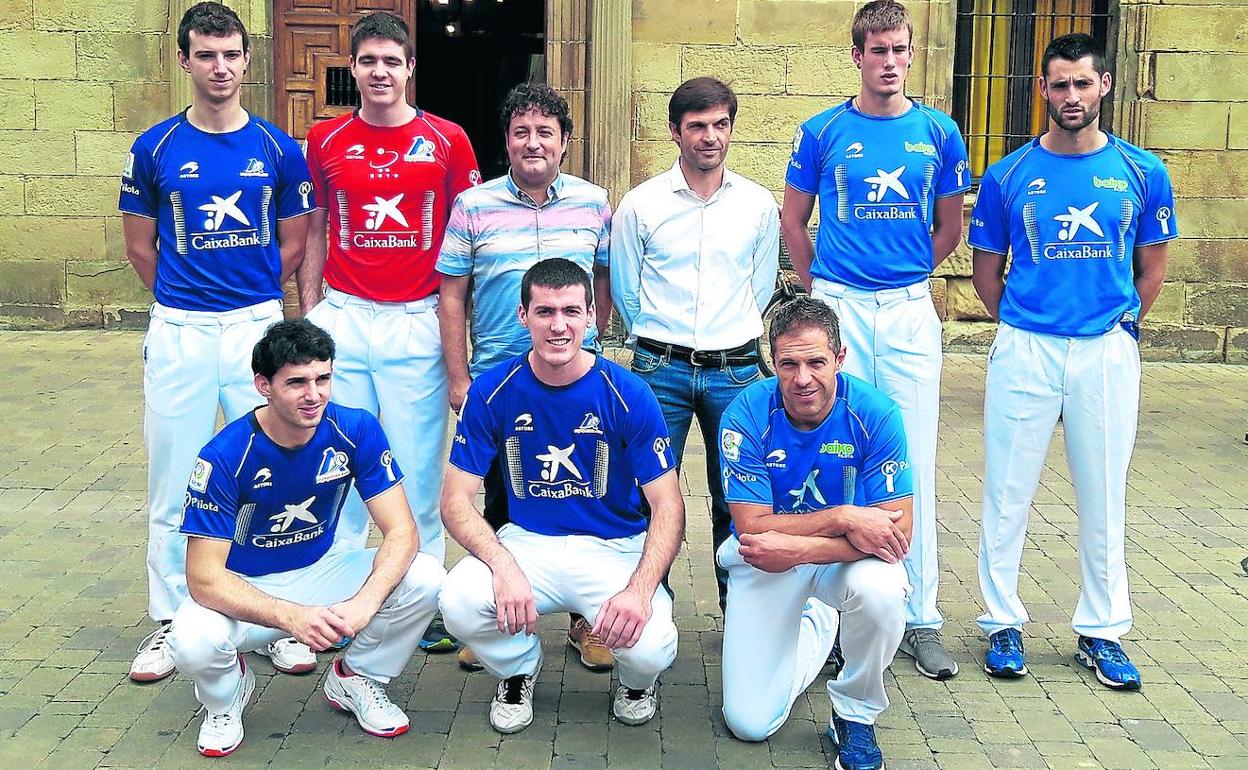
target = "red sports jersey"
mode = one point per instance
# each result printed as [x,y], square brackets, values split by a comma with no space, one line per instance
[388,191]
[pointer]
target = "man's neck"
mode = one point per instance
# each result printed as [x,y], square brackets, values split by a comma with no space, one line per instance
[386,117]
[1088,139]
[282,435]
[890,106]
[703,183]
[558,376]
[217,118]
[539,193]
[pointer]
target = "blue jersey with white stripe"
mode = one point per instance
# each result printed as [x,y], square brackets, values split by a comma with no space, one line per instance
[216,199]
[277,506]
[877,179]
[574,456]
[1072,223]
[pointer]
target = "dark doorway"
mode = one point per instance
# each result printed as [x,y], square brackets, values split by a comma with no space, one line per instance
[469,54]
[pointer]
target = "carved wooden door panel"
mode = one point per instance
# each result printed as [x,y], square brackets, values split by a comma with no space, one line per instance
[312,51]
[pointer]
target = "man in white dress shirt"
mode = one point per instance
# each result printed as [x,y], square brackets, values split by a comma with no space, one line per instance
[694,254]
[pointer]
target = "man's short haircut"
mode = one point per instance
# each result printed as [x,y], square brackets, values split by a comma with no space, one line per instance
[804,313]
[535,96]
[212,19]
[880,16]
[700,94]
[1074,47]
[296,341]
[382,25]
[555,274]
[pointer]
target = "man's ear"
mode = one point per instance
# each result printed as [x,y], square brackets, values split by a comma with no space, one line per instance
[263,386]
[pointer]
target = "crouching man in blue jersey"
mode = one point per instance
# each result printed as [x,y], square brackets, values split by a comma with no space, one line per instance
[260,515]
[819,485]
[581,440]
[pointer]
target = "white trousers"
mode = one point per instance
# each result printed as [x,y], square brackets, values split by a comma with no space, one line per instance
[193,362]
[780,627]
[894,341]
[1093,386]
[571,573]
[389,362]
[206,643]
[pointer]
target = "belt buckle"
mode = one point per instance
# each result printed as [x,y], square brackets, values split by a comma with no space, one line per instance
[705,358]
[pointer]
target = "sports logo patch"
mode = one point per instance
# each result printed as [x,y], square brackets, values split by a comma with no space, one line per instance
[333,466]
[387,462]
[199,476]
[421,151]
[127,172]
[730,444]
[660,445]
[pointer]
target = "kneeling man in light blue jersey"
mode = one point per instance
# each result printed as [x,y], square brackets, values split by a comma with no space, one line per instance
[263,503]
[819,485]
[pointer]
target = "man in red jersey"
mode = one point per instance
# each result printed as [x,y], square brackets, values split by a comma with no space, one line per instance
[385,178]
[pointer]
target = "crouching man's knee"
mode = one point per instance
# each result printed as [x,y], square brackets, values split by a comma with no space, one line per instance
[748,722]
[879,590]
[422,583]
[200,640]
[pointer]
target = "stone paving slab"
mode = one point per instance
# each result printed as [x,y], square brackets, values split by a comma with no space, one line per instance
[73,597]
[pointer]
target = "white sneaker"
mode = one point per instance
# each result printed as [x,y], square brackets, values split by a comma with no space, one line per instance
[366,699]
[512,708]
[221,734]
[634,707]
[155,659]
[289,656]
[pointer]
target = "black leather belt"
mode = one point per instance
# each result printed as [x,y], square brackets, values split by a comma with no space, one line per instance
[739,356]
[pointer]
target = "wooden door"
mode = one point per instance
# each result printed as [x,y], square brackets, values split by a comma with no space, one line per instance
[312,52]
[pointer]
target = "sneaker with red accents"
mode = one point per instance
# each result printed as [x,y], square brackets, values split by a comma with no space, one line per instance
[289,656]
[221,734]
[367,699]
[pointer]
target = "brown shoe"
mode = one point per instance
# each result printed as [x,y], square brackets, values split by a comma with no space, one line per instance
[468,659]
[594,654]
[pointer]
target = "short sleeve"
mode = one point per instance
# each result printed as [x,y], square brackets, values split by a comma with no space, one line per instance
[955,177]
[211,505]
[294,187]
[375,467]
[462,171]
[139,190]
[316,171]
[989,226]
[602,253]
[742,457]
[456,257]
[649,447]
[476,439]
[803,173]
[886,472]
[1157,222]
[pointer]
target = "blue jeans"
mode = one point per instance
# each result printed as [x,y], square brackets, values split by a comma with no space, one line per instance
[684,390]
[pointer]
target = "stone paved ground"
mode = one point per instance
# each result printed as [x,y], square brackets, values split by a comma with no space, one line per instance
[72,602]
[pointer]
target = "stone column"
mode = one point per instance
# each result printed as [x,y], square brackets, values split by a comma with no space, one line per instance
[610,75]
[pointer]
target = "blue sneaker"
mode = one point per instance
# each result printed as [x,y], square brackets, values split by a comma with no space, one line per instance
[1111,664]
[856,748]
[437,639]
[1005,654]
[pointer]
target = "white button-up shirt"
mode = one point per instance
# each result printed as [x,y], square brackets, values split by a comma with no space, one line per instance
[690,272]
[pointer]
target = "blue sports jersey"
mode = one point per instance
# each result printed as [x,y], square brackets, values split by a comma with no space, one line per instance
[216,199]
[877,180]
[573,456]
[1072,223]
[857,455]
[279,507]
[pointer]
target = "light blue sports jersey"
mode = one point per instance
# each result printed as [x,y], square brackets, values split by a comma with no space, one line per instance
[1072,223]
[496,232]
[216,199]
[877,180]
[279,507]
[857,455]
[574,456]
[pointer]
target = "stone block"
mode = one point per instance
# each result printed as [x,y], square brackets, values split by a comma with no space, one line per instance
[1207,174]
[656,67]
[101,15]
[17,104]
[114,240]
[16,14]
[32,283]
[821,70]
[1170,304]
[121,56]
[12,195]
[650,111]
[747,69]
[1184,77]
[774,118]
[1184,125]
[89,196]
[1212,217]
[764,163]
[797,22]
[102,153]
[968,336]
[47,317]
[1171,28]
[28,238]
[90,283]
[958,263]
[1181,343]
[36,152]
[650,158]
[940,297]
[1237,137]
[1237,346]
[73,104]
[1208,261]
[139,106]
[962,303]
[37,55]
[1217,304]
[689,21]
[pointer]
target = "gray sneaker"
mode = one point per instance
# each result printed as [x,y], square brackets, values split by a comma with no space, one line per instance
[930,657]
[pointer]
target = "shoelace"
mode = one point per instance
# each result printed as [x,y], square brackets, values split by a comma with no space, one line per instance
[156,640]
[859,737]
[513,689]
[1007,643]
[1110,651]
[632,694]
[374,693]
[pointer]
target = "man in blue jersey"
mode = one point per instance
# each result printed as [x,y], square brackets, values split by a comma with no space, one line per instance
[1087,218]
[889,174]
[817,478]
[263,503]
[213,204]
[582,440]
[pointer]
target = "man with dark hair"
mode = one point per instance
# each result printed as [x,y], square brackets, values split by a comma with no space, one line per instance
[496,232]
[261,511]
[582,441]
[694,255]
[213,203]
[889,174]
[385,178]
[1088,218]
[817,477]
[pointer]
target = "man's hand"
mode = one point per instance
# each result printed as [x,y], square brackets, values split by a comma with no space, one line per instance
[355,615]
[622,618]
[317,627]
[457,391]
[515,607]
[874,531]
[772,551]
